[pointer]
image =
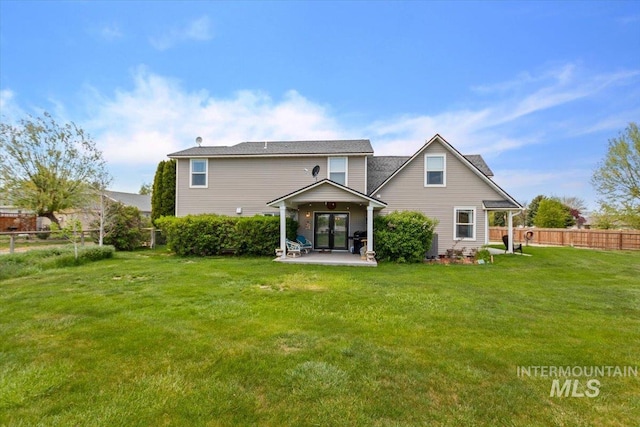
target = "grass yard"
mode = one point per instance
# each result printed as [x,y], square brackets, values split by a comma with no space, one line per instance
[149,339]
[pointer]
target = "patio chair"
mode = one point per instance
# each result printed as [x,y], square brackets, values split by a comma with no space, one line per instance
[293,249]
[505,240]
[305,245]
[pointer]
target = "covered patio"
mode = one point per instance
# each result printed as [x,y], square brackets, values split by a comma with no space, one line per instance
[329,214]
[501,206]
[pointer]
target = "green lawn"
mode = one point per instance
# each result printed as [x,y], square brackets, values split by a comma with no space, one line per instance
[149,339]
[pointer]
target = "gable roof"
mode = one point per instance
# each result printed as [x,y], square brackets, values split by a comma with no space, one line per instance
[140,201]
[327,182]
[475,169]
[379,168]
[281,148]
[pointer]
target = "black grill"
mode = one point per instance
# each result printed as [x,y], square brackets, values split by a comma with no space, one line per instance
[358,236]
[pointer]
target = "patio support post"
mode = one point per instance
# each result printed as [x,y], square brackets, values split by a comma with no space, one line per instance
[283,230]
[510,239]
[486,227]
[370,228]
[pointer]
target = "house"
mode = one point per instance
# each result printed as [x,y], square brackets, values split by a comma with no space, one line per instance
[140,201]
[90,215]
[335,188]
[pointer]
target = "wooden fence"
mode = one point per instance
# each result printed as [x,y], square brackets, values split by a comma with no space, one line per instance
[17,222]
[596,239]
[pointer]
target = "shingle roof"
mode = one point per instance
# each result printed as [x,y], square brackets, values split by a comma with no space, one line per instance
[479,162]
[140,201]
[499,204]
[281,148]
[379,168]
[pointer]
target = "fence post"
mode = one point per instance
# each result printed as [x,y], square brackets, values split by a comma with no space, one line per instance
[12,243]
[152,243]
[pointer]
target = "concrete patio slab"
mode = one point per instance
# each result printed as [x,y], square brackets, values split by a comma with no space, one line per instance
[329,258]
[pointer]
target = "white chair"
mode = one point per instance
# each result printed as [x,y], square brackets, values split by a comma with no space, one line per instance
[293,249]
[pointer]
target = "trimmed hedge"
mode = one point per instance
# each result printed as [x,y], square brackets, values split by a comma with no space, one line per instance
[206,235]
[403,236]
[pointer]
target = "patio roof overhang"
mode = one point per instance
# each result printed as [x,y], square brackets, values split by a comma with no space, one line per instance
[326,190]
[500,205]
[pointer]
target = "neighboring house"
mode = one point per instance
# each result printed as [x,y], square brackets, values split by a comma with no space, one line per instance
[334,188]
[90,215]
[140,201]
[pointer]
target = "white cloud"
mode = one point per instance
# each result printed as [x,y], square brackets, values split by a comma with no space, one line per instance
[111,32]
[158,117]
[198,30]
[527,183]
[505,122]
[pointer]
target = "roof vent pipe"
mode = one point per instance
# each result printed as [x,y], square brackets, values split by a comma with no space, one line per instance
[265,145]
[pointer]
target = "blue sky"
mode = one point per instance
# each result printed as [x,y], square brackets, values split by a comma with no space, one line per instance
[537,88]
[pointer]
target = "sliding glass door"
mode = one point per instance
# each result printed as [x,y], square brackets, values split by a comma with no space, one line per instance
[331,231]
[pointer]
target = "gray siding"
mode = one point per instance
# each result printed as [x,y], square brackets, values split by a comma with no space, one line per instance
[406,191]
[249,183]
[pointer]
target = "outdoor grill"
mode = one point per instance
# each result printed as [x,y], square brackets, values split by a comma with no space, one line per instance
[358,237]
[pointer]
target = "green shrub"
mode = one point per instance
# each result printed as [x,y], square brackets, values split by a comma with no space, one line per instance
[403,236]
[123,227]
[206,235]
[482,254]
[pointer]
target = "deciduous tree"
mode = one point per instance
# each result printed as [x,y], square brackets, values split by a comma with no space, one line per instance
[47,167]
[617,178]
[552,213]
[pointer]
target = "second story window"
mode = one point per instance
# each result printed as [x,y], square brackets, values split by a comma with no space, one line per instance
[199,173]
[338,170]
[435,167]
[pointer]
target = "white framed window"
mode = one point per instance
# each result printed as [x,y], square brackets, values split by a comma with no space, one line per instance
[337,169]
[199,175]
[435,170]
[464,223]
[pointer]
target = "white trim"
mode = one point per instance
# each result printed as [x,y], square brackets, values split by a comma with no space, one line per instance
[370,227]
[474,224]
[346,169]
[377,203]
[206,173]
[366,175]
[486,226]
[177,189]
[444,170]
[510,231]
[283,230]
